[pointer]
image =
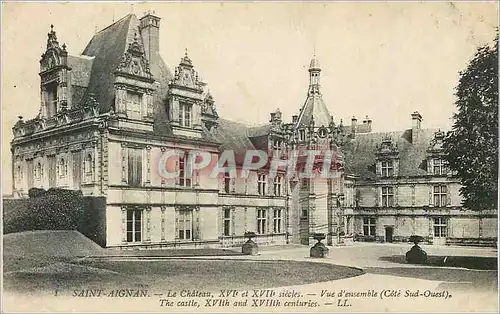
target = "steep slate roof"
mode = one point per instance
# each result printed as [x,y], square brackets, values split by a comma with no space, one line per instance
[362,149]
[314,108]
[81,67]
[108,46]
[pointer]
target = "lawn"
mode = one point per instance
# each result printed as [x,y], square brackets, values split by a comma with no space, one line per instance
[172,274]
[46,261]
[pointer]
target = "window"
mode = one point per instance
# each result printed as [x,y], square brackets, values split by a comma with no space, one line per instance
[134,101]
[369,226]
[261,221]
[440,227]
[63,167]
[134,225]
[277,144]
[387,196]
[185,225]
[184,171]
[39,171]
[135,167]
[261,184]
[277,220]
[277,185]
[439,194]
[439,167]
[185,115]
[227,181]
[88,164]
[227,221]
[51,99]
[302,135]
[387,168]
[19,174]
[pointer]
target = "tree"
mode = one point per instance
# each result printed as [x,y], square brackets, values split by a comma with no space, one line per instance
[471,146]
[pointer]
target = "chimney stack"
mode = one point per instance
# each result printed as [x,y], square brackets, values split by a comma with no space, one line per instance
[416,120]
[150,33]
[354,125]
[368,122]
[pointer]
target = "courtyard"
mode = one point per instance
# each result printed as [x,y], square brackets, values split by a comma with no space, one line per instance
[65,263]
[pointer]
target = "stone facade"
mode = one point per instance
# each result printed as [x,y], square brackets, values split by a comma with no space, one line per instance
[109,114]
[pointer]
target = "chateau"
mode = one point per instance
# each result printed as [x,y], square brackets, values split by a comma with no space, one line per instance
[108,114]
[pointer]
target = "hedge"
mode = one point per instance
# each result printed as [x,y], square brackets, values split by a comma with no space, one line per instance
[54,209]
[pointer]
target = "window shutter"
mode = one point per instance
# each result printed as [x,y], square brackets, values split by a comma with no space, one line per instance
[124,164]
[124,224]
[431,201]
[233,221]
[138,158]
[378,196]
[84,166]
[177,168]
[268,219]
[429,166]
[396,204]
[176,223]
[448,195]
[378,168]
[196,223]
[396,167]
[131,167]
[233,180]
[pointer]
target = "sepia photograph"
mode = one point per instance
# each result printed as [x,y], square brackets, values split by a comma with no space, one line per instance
[249,157]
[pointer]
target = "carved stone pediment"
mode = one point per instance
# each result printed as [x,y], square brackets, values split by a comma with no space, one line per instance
[134,62]
[387,147]
[185,75]
[436,144]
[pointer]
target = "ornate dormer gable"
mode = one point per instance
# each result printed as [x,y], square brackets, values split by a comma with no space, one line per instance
[134,62]
[387,154]
[54,74]
[436,164]
[134,84]
[209,115]
[436,144]
[387,148]
[186,77]
[186,100]
[54,55]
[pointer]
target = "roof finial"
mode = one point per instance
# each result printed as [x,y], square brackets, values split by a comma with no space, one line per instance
[51,27]
[185,52]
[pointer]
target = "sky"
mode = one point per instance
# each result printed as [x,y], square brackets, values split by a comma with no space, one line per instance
[384,60]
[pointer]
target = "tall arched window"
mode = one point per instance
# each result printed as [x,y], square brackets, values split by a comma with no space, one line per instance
[19,174]
[63,167]
[88,164]
[39,171]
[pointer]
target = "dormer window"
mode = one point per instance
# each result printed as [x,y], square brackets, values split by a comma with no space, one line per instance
[185,116]
[387,167]
[134,104]
[276,144]
[51,90]
[302,135]
[439,167]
